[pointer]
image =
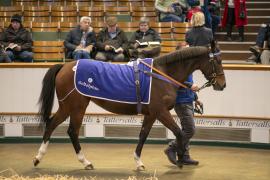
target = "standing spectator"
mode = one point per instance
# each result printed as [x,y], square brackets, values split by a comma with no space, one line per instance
[204,9]
[144,34]
[80,40]
[198,35]
[214,10]
[171,10]
[235,14]
[112,43]
[17,41]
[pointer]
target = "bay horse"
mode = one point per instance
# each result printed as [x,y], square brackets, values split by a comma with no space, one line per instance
[177,65]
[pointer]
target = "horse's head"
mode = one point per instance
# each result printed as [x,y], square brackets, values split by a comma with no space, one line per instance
[213,70]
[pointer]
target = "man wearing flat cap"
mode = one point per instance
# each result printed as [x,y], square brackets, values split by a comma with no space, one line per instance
[112,43]
[17,41]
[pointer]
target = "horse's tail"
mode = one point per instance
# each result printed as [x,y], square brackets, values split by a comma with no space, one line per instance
[46,97]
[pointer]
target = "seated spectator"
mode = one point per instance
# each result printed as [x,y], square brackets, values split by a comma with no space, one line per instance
[80,40]
[171,10]
[17,42]
[112,42]
[194,7]
[147,35]
[261,51]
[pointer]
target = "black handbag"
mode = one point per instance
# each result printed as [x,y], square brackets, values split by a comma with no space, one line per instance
[242,14]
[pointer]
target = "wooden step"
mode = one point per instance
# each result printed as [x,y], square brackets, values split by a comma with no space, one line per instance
[235,46]
[255,11]
[235,55]
[258,19]
[248,36]
[251,28]
[261,4]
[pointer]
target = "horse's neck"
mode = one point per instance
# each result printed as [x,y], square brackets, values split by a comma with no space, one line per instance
[180,70]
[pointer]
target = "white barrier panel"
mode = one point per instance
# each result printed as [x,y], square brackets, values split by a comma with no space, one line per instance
[246,94]
[258,129]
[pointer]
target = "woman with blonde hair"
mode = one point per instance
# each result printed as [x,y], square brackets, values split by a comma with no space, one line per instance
[198,35]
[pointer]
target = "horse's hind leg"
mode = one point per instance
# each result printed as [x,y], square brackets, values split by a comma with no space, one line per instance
[146,127]
[76,118]
[51,124]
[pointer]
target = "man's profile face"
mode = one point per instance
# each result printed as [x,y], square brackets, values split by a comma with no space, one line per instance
[15,25]
[85,24]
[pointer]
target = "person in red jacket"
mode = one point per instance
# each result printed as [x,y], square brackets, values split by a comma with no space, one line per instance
[235,13]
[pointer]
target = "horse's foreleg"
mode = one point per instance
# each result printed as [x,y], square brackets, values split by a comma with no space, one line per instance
[51,124]
[146,127]
[167,120]
[73,132]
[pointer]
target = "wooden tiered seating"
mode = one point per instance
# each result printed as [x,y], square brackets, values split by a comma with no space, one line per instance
[104,3]
[36,13]
[138,12]
[64,14]
[48,51]
[96,12]
[6,12]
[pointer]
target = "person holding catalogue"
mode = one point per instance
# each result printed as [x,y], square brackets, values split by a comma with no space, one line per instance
[81,40]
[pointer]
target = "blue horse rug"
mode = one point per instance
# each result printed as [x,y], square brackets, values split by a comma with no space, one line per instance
[113,82]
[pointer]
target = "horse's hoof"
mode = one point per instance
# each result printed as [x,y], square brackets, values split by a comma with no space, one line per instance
[141,168]
[36,161]
[89,167]
[179,164]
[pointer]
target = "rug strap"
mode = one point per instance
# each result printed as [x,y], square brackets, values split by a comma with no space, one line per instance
[137,83]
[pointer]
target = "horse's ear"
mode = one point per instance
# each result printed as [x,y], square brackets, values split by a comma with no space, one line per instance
[214,46]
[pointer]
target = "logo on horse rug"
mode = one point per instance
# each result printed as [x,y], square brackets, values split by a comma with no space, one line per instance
[113,82]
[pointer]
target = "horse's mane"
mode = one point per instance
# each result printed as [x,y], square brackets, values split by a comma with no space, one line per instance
[180,55]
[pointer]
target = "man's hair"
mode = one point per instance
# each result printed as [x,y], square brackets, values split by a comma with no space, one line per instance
[197,19]
[144,20]
[85,18]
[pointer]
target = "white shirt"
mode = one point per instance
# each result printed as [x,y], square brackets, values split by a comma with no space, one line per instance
[231,3]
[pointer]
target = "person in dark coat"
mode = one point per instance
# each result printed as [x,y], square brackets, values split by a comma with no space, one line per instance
[112,43]
[235,13]
[17,41]
[144,34]
[81,40]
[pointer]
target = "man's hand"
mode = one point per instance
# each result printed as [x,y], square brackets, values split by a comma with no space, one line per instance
[194,87]
[89,48]
[119,50]
[108,47]
[18,48]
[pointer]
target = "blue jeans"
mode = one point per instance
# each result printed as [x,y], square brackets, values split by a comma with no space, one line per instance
[80,55]
[215,23]
[261,36]
[24,56]
[173,18]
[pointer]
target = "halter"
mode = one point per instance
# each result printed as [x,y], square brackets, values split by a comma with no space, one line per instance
[214,74]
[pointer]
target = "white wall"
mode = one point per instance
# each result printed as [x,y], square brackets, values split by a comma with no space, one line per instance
[246,94]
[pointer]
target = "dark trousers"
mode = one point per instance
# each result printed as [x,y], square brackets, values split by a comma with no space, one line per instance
[231,23]
[261,36]
[185,112]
